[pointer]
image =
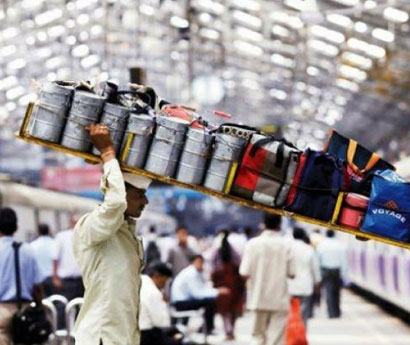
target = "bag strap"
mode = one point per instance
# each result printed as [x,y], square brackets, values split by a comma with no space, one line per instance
[16,247]
[351,150]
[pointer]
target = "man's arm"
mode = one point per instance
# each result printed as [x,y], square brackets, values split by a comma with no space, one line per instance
[107,218]
[38,294]
[245,267]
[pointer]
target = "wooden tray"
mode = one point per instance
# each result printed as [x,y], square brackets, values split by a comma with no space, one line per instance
[23,135]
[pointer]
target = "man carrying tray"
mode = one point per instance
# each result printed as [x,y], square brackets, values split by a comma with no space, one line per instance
[109,255]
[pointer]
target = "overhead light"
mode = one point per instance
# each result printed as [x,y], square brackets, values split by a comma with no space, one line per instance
[352,73]
[247,19]
[324,48]
[339,19]
[383,35]
[90,61]
[312,71]
[8,82]
[248,48]
[179,22]
[369,49]
[347,84]
[348,2]
[48,17]
[83,19]
[282,61]
[209,33]
[250,5]
[54,62]
[395,15]
[360,27]
[302,5]
[278,94]
[281,31]
[10,33]
[80,51]
[282,17]
[330,35]
[42,36]
[205,18]
[213,6]
[8,50]
[16,64]
[357,60]
[96,30]
[147,10]
[15,92]
[56,31]
[44,52]
[283,48]
[370,4]
[249,34]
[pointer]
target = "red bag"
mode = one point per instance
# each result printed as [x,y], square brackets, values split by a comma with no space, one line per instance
[296,180]
[295,329]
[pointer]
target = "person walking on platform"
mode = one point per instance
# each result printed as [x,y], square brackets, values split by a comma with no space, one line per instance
[44,248]
[189,291]
[109,255]
[225,263]
[29,274]
[267,262]
[180,254]
[332,263]
[307,273]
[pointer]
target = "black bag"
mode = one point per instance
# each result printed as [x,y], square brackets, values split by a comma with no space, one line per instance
[361,163]
[29,325]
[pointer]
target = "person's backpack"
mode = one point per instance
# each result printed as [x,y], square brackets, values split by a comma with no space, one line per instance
[152,253]
[30,324]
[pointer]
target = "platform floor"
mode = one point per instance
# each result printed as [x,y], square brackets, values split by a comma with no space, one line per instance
[362,323]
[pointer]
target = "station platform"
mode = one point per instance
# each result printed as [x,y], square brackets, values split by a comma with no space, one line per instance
[362,323]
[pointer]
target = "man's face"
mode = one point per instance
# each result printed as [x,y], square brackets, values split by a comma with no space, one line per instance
[159,280]
[136,201]
[182,236]
[199,264]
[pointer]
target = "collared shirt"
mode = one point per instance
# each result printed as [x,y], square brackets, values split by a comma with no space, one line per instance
[64,255]
[268,261]
[331,253]
[29,272]
[153,310]
[111,259]
[44,249]
[307,272]
[190,284]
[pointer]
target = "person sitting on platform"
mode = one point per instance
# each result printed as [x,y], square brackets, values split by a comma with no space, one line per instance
[189,291]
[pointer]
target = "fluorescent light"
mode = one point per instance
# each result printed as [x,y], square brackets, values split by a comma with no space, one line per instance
[54,62]
[347,84]
[360,27]
[247,19]
[48,17]
[369,49]
[56,31]
[147,10]
[209,33]
[83,19]
[15,92]
[80,51]
[370,4]
[339,19]
[284,18]
[249,34]
[250,5]
[16,64]
[213,6]
[8,50]
[395,15]
[302,5]
[357,60]
[331,35]
[383,35]
[324,48]
[9,33]
[348,2]
[8,82]
[281,31]
[278,94]
[352,73]
[312,71]
[179,22]
[205,18]
[90,61]
[282,61]
[248,48]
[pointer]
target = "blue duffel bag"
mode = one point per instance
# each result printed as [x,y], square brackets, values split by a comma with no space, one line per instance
[388,214]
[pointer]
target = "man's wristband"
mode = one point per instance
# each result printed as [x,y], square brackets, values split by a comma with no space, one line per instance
[108,154]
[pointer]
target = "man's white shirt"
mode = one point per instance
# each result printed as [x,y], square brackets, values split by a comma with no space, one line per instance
[64,255]
[153,308]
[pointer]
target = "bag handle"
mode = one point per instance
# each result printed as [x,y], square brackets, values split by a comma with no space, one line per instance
[351,150]
[16,247]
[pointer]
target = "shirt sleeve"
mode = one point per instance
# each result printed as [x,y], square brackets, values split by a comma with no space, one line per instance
[291,262]
[199,290]
[245,267]
[159,315]
[106,218]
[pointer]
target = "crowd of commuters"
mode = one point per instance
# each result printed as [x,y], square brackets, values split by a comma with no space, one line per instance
[237,272]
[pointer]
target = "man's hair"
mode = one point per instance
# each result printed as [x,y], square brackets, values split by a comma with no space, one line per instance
[196,256]
[181,227]
[330,233]
[8,221]
[161,268]
[43,229]
[272,221]
[299,234]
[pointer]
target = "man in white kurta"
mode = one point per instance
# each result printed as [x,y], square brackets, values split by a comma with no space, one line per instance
[110,257]
[267,262]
